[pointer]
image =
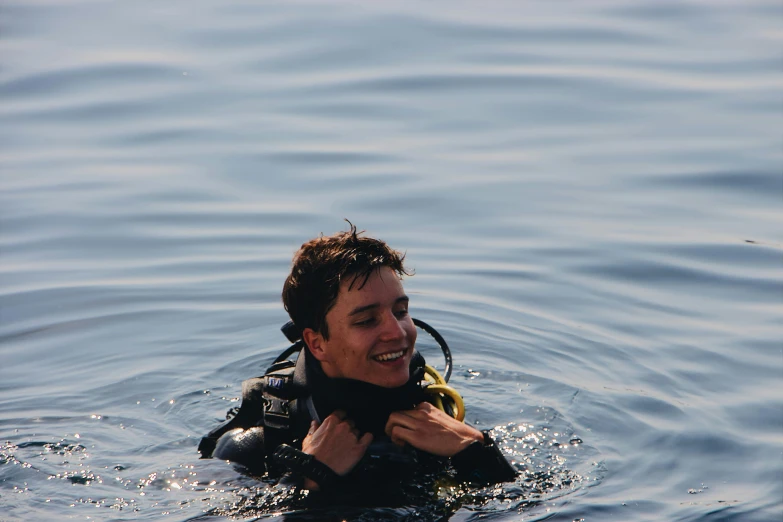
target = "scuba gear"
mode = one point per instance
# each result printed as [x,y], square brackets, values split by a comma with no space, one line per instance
[441,342]
[439,392]
[281,401]
[293,334]
[296,461]
[278,407]
[441,395]
[368,405]
[292,393]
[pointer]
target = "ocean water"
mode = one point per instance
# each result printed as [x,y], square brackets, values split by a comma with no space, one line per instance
[591,194]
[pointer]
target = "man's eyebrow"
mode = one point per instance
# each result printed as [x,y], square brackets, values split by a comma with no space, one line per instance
[360,309]
[364,308]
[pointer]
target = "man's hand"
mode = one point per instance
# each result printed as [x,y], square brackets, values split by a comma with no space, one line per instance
[429,429]
[336,443]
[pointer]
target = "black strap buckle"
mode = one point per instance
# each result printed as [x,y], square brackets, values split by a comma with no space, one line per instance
[277,413]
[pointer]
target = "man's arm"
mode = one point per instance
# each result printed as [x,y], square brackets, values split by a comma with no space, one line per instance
[483,463]
[474,454]
[335,443]
[244,447]
[429,429]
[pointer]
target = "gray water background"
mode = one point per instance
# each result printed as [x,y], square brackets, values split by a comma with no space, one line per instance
[590,194]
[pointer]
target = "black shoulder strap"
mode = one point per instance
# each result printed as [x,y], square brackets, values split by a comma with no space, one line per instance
[279,404]
[251,412]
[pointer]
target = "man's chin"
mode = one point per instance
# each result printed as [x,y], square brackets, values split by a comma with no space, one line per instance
[393,381]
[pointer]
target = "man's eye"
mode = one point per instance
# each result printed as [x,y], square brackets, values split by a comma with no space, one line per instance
[402,313]
[365,322]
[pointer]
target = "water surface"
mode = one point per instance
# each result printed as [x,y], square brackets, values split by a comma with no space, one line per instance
[589,192]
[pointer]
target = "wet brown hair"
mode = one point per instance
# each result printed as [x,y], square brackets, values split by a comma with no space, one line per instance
[321,264]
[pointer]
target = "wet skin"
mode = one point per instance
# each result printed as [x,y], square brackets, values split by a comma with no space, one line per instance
[371,334]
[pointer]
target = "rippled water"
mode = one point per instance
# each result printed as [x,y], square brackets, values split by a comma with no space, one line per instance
[590,193]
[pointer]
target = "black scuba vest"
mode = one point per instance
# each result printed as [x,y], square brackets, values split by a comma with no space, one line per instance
[277,409]
[291,394]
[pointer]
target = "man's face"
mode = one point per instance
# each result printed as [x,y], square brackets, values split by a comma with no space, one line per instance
[371,335]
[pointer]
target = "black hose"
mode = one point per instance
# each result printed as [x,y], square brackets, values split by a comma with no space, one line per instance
[441,342]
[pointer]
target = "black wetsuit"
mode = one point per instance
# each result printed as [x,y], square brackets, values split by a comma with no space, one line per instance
[253,435]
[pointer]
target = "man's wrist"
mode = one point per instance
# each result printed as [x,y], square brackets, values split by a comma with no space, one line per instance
[474,437]
[306,465]
[483,462]
[481,440]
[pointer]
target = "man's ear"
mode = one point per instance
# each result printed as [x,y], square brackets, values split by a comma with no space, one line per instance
[315,341]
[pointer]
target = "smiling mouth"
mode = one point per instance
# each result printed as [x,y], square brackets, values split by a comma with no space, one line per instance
[388,357]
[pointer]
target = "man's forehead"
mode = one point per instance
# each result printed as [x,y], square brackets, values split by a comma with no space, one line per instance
[382,288]
[360,281]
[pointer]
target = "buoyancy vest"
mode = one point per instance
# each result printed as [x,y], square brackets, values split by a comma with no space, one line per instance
[291,394]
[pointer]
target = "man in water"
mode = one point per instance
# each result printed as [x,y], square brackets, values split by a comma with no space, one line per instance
[352,407]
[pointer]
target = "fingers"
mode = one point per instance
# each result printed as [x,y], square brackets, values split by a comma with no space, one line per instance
[390,424]
[365,440]
[336,418]
[399,442]
[400,435]
[351,427]
[400,418]
[339,416]
[311,432]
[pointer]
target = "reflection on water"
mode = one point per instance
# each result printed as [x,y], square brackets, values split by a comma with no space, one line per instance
[590,198]
[538,454]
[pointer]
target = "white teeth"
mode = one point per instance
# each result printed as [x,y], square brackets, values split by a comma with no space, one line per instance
[390,356]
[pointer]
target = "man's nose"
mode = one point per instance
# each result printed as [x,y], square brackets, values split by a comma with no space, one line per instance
[392,329]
